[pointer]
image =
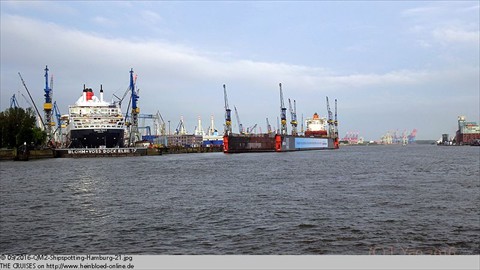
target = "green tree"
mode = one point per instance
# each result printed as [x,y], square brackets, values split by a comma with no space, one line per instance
[17,126]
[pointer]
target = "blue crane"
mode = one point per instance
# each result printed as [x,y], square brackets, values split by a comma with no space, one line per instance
[134,133]
[47,106]
[58,116]
[13,102]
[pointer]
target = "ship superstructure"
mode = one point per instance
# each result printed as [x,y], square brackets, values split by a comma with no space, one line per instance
[468,132]
[95,123]
[316,126]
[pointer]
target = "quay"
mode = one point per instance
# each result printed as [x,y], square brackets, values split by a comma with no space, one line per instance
[98,152]
[15,154]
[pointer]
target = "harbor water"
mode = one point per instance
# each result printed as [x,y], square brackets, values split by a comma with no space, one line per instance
[415,199]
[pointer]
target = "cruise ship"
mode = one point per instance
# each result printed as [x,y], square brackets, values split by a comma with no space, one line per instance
[95,123]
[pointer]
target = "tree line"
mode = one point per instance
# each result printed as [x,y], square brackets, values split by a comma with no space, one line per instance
[17,127]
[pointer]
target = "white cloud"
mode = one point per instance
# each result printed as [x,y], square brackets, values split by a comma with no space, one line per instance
[457,35]
[179,80]
[150,17]
[102,21]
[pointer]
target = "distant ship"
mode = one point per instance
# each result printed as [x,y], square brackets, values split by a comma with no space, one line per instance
[95,123]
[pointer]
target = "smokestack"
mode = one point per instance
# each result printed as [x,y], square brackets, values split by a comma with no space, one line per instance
[101,93]
[84,93]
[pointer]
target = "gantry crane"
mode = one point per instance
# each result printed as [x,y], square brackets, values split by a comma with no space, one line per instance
[228,112]
[283,113]
[240,126]
[293,114]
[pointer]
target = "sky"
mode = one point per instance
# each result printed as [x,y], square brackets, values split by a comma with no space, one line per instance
[392,65]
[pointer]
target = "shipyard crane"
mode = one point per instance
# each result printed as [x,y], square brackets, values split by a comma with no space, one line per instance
[47,106]
[58,116]
[293,114]
[134,132]
[283,113]
[13,102]
[228,117]
[123,97]
[335,122]
[159,123]
[251,129]
[181,128]
[302,129]
[269,127]
[240,126]
[330,120]
[26,100]
[33,102]
[160,128]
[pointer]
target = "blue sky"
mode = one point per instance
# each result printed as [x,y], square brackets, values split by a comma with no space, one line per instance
[393,65]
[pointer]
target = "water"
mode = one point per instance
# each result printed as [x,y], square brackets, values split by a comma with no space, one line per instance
[356,200]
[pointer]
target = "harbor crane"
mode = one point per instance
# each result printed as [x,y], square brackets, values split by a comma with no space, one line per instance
[252,129]
[13,102]
[31,99]
[335,122]
[134,132]
[181,128]
[58,116]
[228,112]
[293,113]
[48,106]
[240,126]
[269,127]
[283,113]
[331,130]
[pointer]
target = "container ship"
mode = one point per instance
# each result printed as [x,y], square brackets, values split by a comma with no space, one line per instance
[95,123]
[321,133]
